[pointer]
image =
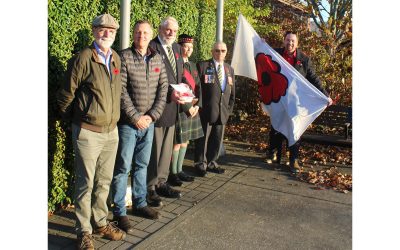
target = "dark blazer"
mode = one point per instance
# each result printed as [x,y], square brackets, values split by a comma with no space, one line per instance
[303,65]
[169,115]
[216,104]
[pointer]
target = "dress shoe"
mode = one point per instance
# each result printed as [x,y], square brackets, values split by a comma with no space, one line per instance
[123,223]
[217,170]
[146,212]
[174,180]
[294,166]
[167,191]
[200,170]
[153,199]
[184,177]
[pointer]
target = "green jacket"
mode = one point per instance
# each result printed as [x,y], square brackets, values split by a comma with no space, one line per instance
[88,97]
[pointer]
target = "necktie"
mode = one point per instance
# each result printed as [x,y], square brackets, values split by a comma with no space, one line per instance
[219,71]
[171,58]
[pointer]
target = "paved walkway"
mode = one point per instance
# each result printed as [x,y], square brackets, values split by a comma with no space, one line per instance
[250,206]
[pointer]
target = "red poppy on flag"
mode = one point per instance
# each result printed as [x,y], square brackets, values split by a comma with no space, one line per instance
[272,85]
[289,99]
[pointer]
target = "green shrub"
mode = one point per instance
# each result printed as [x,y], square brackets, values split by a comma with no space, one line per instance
[69,31]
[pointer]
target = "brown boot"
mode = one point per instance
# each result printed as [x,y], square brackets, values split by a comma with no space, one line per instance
[123,223]
[85,241]
[294,166]
[111,232]
[146,212]
[271,157]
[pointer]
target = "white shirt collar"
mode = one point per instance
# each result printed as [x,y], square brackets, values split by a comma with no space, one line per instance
[218,63]
[99,51]
[162,42]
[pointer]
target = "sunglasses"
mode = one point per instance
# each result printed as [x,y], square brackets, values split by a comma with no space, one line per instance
[220,50]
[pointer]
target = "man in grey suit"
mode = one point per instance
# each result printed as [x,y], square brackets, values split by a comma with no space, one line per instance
[164,129]
[218,89]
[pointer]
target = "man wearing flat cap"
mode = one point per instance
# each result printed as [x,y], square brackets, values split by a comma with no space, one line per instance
[90,99]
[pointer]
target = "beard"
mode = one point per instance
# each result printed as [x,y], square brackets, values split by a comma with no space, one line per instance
[168,40]
[290,49]
[105,43]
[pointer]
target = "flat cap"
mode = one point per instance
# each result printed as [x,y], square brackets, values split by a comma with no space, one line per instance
[105,20]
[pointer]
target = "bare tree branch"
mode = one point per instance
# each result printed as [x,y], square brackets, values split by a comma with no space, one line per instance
[335,29]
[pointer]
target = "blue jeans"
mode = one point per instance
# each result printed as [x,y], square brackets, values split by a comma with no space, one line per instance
[134,145]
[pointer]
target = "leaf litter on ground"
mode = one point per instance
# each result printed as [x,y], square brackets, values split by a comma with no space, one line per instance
[327,178]
[255,131]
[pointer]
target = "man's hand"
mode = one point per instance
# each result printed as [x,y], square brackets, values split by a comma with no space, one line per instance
[144,122]
[175,97]
[330,102]
[148,119]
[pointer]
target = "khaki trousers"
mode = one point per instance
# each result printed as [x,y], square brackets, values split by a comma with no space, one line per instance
[94,165]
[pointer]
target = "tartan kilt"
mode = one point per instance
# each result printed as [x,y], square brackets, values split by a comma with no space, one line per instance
[187,128]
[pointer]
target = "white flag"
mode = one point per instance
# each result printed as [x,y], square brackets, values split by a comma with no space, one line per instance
[291,101]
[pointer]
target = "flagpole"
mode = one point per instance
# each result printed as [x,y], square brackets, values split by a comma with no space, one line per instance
[220,20]
[220,25]
[125,23]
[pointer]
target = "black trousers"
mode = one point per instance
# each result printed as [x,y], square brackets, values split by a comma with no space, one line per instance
[207,148]
[275,145]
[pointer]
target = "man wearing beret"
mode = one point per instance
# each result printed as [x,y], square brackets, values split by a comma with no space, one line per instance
[90,98]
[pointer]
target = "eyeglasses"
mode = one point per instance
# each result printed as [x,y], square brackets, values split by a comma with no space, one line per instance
[220,50]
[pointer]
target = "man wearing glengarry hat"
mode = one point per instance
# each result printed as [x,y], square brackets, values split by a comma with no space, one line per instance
[90,99]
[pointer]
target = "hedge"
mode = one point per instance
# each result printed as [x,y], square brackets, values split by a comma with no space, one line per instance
[69,30]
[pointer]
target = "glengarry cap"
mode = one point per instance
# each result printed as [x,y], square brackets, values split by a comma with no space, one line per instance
[105,20]
[185,38]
